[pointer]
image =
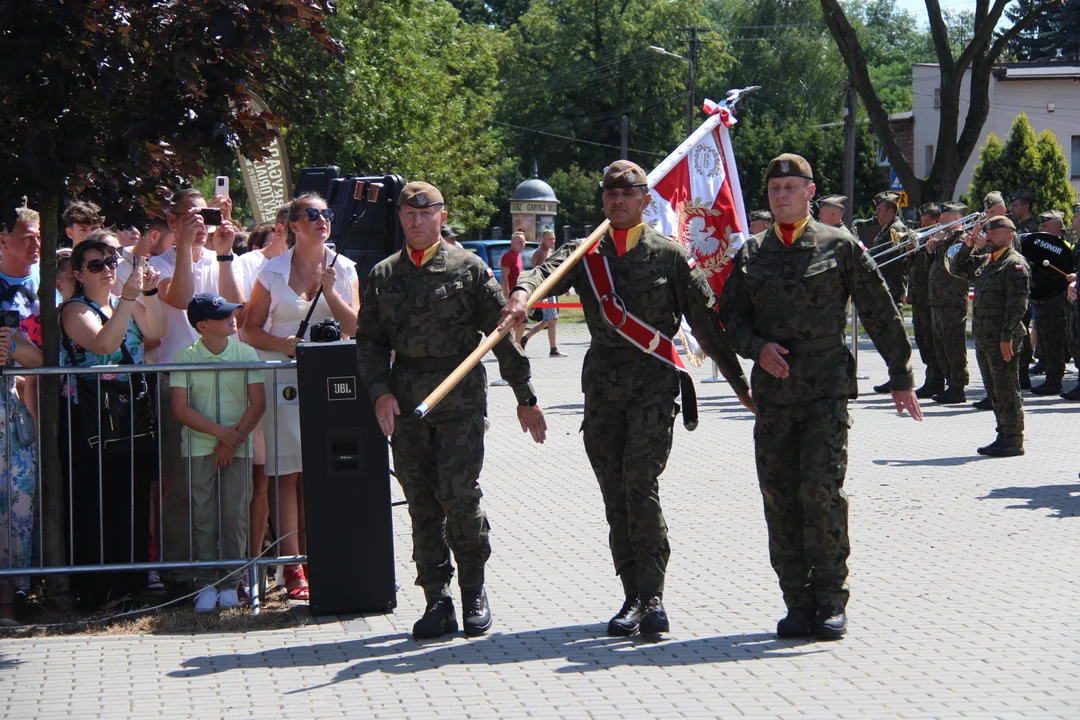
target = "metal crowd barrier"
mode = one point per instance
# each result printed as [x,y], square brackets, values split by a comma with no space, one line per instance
[37,568]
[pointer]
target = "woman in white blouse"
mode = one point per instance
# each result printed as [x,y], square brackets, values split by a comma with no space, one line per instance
[283,293]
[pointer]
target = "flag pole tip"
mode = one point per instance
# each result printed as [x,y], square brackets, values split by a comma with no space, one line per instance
[422,410]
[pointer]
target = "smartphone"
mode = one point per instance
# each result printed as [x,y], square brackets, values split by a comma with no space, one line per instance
[211,216]
[10,318]
[221,186]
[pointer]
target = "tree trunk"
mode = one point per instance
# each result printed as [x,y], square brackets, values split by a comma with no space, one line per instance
[53,515]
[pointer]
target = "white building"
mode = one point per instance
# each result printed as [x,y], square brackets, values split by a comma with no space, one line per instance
[1048,92]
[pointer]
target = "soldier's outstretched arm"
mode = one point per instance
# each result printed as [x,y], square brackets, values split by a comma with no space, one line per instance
[698,305]
[515,310]
[880,317]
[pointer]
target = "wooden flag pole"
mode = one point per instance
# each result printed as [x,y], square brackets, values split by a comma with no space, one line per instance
[565,266]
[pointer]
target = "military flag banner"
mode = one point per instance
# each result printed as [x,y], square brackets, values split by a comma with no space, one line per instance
[698,201]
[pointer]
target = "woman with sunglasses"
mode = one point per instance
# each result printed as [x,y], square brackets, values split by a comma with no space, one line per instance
[111,509]
[283,293]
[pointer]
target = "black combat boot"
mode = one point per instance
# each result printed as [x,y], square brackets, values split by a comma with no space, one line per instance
[439,619]
[830,623]
[1050,386]
[953,396]
[627,620]
[884,387]
[1025,380]
[1006,447]
[985,448]
[983,404]
[475,612]
[798,623]
[1038,368]
[929,390]
[653,618]
[1073,395]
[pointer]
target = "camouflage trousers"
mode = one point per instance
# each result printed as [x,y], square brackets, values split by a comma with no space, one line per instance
[628,441]
[922,319]
[1051,325]
[438,465]
[950,342]
[801,452]
[1002,382]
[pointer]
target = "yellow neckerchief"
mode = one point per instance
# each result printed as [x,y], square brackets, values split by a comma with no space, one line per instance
[998,253]
[428,254]
[795,234]
[633,235]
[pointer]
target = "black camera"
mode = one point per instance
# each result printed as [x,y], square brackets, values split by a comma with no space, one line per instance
[326,331]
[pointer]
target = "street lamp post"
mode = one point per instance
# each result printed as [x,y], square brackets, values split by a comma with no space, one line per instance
[689,83]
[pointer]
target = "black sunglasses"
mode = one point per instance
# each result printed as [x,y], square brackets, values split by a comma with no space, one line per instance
[313,214]
[96,266]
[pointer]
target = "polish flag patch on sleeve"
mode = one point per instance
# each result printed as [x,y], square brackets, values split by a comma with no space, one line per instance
[490,273]
[1018,266]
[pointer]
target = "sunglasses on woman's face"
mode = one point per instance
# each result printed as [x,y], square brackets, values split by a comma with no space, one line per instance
[313,214]
[96,266]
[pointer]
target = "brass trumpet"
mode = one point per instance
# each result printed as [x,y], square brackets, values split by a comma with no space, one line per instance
[921,239]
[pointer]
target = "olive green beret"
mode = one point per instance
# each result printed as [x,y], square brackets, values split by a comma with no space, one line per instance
[789,165]
[1023,194]
[763,215]
[1050,215]
[420,195]
[838,201]
[930,208]
[888,196]
[999,222]
[993,198]
[624,174]
[954,206]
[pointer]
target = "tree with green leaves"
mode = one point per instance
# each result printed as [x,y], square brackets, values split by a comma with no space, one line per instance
[1054,36]
[1025,160]
[120,101]
[414,95]
[954,143]
[572,69]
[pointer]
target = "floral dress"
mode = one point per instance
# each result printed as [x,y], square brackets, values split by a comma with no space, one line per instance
[18,459]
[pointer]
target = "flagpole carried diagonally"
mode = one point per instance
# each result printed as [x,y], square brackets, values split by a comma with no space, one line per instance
[544,289]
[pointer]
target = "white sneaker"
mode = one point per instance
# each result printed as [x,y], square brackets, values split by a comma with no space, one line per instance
[206,600]
[227,599]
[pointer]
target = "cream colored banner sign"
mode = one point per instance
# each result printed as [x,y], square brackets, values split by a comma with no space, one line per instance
[268,180]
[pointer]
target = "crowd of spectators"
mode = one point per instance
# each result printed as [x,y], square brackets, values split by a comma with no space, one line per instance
[177,291]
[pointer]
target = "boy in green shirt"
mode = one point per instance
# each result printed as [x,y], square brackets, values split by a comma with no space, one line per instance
[218,411]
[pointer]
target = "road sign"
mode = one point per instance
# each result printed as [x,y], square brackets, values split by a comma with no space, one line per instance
[903,199]
[894,183]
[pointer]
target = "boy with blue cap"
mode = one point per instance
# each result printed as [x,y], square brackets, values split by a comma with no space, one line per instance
[218,411]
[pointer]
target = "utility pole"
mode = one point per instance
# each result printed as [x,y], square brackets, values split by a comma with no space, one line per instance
[625,136]
[692,38]
[849,152]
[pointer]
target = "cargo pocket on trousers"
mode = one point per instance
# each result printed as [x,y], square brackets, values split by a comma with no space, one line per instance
[843,416]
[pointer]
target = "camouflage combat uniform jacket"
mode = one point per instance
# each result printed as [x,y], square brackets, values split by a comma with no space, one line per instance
[896,272]
[1002,289]
[433,317]
[658,285]
[797,296]
[946,289]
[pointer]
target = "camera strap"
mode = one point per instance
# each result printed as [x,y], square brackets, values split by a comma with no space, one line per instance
[314,301]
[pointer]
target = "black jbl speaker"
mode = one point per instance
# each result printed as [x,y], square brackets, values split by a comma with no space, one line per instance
[350,539]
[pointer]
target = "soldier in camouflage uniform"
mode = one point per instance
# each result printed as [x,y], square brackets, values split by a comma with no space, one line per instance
[430,304]
[888,245]
[760,219]
[948,295]
[921,309]
[994,206]
[831,210]
[784,308]
[1051,311]
[1002,284]
[630,393]
[1020,212]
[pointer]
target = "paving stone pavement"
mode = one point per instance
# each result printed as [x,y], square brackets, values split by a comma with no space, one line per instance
[964,597]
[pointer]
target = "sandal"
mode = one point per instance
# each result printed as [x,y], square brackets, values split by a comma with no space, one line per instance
[294,576]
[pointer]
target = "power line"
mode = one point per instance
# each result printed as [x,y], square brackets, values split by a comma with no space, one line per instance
[577,140]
